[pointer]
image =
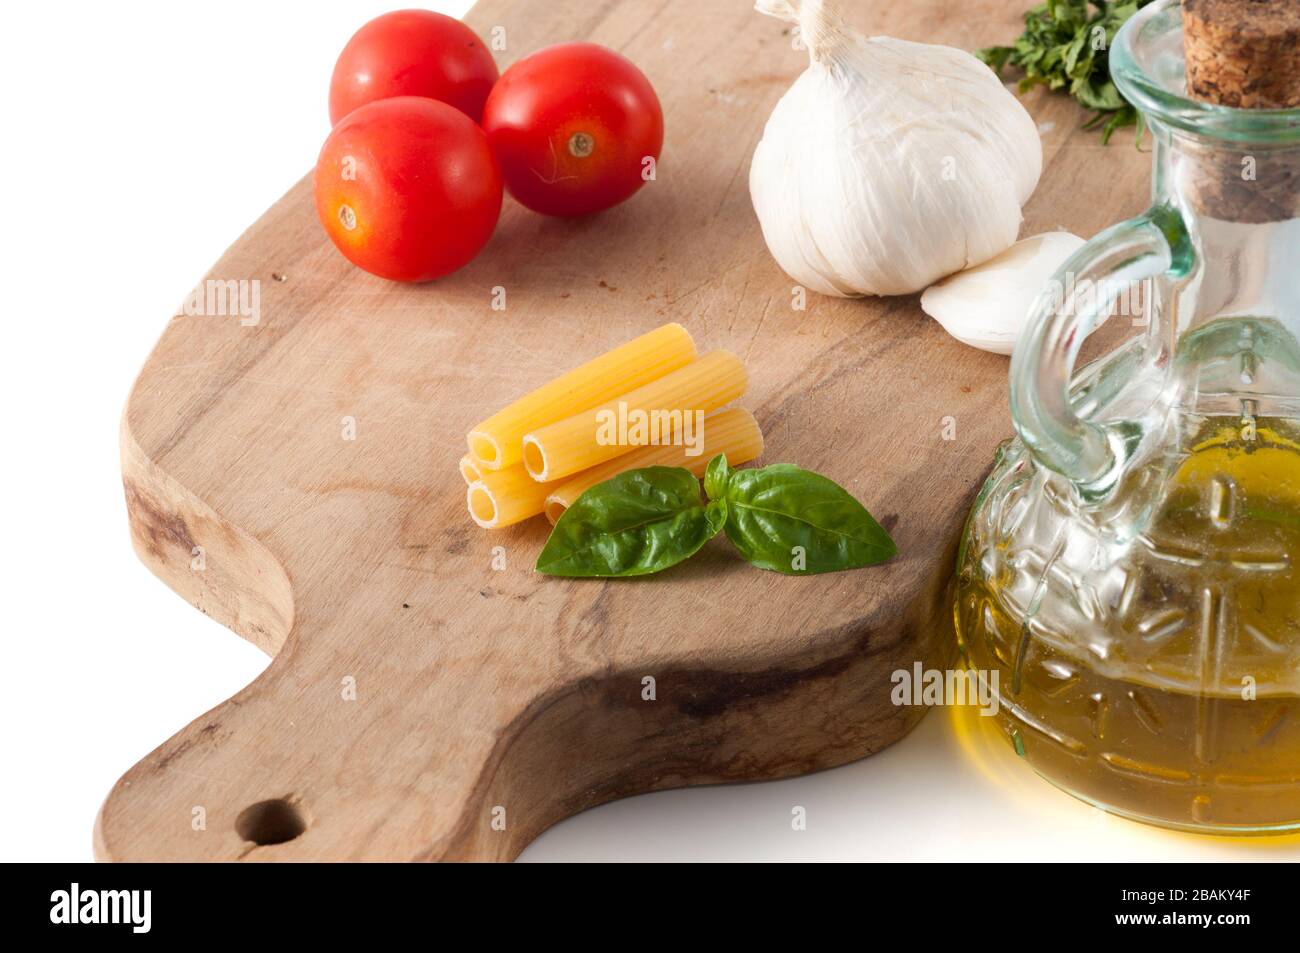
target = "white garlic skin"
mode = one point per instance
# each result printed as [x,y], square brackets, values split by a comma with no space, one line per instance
[889,164]
[987,307]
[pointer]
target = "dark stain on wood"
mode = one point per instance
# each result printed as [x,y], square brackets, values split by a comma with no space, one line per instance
[703,694]
[155,527]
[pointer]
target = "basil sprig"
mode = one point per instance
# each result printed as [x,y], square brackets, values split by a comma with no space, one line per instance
[779,517]
[797,522]
[639,522]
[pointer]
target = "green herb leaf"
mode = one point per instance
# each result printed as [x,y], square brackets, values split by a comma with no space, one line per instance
[796,522]
[639,522]
[715,478]
[1067,43]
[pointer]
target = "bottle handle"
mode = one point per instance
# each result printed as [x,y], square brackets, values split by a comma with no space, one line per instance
[1074,303]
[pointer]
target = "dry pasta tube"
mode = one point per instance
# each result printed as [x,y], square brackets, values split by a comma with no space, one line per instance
[733,433]
[505,497]
[470,470]
[495,443]
[659,412]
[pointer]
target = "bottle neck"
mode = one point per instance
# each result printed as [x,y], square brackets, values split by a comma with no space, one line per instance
[1237,314]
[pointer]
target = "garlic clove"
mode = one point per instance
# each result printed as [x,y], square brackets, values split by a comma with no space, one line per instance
[987,306]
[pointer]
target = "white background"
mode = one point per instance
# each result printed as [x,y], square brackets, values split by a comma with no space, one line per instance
[138,141]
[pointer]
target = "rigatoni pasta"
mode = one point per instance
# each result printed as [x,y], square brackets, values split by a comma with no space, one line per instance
[733,433]
[642,404]
[470,470]
[496,443]
[505,497]
[560,449]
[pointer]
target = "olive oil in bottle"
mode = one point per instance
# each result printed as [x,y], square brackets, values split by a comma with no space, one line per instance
[1175,697]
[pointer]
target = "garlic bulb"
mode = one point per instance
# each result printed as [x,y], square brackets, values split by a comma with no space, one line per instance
[987,306]
[888,164]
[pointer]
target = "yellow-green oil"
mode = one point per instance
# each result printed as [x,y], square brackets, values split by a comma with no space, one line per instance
[1190,716]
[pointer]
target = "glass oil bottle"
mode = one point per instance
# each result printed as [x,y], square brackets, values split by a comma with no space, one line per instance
[1131,569]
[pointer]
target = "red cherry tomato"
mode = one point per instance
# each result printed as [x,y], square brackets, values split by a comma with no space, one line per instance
[407,188]
[577,128]
[413,53]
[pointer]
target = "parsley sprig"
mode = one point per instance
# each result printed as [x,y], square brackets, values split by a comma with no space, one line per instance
[1066,44]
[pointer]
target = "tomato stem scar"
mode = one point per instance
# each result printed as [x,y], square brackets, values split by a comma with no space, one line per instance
[581,145]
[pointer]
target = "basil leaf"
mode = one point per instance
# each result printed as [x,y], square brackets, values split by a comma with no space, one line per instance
[715,478]
[775,509]
[636,523]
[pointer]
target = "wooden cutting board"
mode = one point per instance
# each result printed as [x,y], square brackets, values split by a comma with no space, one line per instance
[429,696]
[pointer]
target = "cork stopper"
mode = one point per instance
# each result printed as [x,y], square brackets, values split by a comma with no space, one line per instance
[1243,53]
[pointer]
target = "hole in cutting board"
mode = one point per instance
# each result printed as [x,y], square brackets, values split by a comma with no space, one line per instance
[270,822]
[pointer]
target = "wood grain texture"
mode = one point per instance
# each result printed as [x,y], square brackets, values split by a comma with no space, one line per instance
[479,688]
